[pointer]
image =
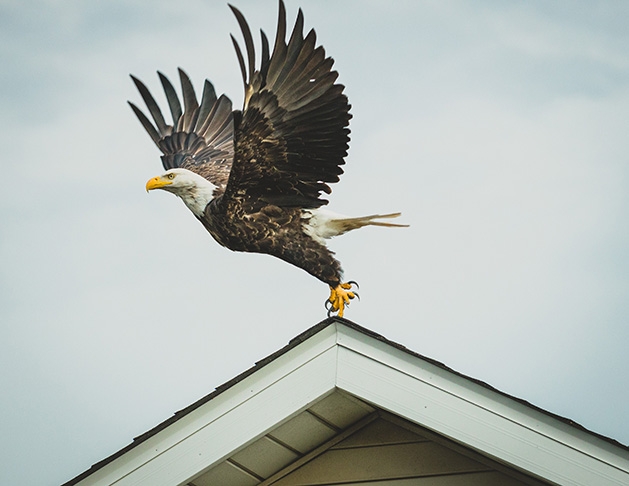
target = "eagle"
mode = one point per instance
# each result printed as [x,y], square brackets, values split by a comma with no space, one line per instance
[255,177]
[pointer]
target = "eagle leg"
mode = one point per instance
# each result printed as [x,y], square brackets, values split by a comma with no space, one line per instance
[340,297]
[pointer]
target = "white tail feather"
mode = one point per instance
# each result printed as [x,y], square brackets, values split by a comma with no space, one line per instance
[322,224]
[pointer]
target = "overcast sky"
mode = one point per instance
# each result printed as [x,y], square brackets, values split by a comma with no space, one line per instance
[499,129]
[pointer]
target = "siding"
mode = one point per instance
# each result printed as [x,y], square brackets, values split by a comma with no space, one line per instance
[383,453]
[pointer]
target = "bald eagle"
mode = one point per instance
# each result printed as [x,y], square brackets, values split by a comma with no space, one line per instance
[254,177]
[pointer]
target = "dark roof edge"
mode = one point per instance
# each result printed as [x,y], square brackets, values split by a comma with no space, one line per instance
[295,342]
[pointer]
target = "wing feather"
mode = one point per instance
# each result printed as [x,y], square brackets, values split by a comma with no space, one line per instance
[241,60]
[246,33]
[208,100]
[171,97]
[265,54]
[154,110]
[201,137]
[148,126]
[293,135]
[279,48]
[188,120]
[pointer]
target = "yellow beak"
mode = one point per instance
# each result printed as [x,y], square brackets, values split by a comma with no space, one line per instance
[157,183]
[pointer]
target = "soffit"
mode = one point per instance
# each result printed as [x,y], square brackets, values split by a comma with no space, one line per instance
[288,443]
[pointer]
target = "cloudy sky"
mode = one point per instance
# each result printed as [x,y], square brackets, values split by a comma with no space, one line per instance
[499,129]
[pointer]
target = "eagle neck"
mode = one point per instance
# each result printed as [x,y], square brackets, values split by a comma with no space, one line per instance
[197,197]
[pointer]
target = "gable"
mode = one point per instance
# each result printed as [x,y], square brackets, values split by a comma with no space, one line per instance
[293,412]
[343,440]
[393,451]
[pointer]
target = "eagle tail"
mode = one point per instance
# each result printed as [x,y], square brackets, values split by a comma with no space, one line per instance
[347,224]
[321,224]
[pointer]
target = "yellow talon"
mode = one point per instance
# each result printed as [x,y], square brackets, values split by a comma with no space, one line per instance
[340,297]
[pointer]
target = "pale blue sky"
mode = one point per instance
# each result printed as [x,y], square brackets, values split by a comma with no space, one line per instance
[499,129]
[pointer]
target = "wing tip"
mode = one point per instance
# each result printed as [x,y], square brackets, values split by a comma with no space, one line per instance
[136,81]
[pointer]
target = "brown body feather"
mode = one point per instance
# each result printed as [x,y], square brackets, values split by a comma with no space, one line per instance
[274,231]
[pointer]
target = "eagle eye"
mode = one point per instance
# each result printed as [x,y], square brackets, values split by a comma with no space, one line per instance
[171,176]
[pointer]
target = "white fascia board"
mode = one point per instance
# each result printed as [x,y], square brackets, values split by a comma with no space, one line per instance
[474,415]
[231,420]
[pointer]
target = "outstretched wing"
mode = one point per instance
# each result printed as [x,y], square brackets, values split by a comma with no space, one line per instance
[293,136]
[201,137]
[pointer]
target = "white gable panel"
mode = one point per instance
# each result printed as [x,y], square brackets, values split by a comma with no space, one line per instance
[476,416]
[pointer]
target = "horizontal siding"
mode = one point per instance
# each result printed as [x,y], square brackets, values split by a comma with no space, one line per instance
[381,462]
[489,478]
[380,432]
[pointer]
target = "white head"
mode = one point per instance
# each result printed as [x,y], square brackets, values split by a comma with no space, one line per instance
[195,191]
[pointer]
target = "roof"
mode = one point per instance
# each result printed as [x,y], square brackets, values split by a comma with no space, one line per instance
[339,362]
